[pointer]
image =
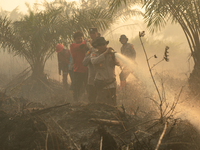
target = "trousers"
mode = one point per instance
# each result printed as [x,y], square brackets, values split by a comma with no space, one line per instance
[92,93]
[124,74]
[80,80]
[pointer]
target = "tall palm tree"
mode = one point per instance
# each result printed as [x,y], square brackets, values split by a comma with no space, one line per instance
[184,12]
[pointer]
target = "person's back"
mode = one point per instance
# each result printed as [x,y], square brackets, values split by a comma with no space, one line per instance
[63,56]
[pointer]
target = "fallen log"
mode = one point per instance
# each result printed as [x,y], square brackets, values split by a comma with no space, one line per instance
[106,122]
[46,110]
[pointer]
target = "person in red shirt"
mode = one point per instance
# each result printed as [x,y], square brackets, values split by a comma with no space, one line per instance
[78,50]
[63,61]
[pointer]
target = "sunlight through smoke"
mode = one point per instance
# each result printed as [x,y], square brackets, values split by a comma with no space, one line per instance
[189,113]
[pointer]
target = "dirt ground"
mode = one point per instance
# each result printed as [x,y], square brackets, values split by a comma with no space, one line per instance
[29,125]
[50,120]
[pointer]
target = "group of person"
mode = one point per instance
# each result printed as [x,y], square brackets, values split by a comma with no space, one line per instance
[91,66]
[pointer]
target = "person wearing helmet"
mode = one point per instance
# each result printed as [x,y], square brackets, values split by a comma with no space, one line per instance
[127,50]
[92,92]
[63,61]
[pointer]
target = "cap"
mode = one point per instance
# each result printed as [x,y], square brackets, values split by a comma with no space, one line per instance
[92,30]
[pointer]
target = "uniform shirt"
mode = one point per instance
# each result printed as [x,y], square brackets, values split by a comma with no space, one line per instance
[91,69]
[128,50]
[78,55]
[87,62]
[89,46]
[105,67]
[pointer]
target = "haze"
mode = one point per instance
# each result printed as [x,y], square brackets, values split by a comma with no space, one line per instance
[9,5]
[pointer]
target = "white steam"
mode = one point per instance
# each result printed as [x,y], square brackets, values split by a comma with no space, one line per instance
[182,110]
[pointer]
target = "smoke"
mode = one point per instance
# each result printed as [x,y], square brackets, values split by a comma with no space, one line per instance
[184,110]
[136,70]
[10,66]
[190,113]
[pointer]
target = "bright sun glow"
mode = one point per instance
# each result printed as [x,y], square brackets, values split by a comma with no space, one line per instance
[9,5]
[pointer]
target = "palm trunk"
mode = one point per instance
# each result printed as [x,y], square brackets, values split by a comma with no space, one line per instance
[194,79]
[38,71]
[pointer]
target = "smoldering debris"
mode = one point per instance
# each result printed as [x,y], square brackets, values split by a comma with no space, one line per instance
[89,127]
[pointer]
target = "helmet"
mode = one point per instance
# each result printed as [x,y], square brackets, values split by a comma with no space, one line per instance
[59,48]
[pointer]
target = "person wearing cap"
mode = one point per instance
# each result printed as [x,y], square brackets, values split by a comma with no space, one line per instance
[63,61]
[93,33]
[92,92]
[127,50]
[78,51]
[104,62]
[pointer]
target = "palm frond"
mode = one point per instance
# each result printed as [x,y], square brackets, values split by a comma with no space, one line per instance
[156,14]
[116,5]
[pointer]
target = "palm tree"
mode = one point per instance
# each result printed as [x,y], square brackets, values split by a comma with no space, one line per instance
[183,12]
[186,14]
[34,37]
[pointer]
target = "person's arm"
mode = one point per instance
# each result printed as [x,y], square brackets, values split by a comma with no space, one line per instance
[90,47]
[117,62]
[78,47]
[100,58]
[59,64]
[86,60]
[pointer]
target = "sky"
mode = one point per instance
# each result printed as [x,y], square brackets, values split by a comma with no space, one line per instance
[9,5]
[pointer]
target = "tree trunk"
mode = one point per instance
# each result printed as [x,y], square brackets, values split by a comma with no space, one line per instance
[194,79]
[38,71]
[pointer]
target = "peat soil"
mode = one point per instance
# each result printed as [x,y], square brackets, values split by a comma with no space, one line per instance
[33,126]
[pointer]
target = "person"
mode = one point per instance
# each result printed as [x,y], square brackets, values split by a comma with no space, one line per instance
[104,62]
[92,92]
[127,50]
[63,56]
[77,50]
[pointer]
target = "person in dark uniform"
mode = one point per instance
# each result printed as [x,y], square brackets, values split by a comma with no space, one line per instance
[127,50]
[63,62]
